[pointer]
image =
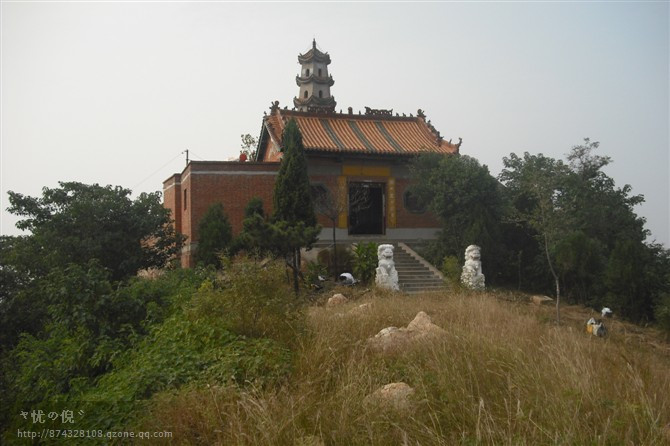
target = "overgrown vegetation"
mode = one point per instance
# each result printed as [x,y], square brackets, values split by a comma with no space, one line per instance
[294,217]
[548,226]
[215,236]
[365,261]
[231,354]
[501,375]
[197,327]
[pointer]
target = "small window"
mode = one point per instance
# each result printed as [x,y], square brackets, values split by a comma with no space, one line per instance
[307,72]
[413,203]
[319,72]
[185,198]
[305,94]
[320,93]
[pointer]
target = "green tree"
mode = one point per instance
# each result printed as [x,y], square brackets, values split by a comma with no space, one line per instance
[248,147]
[599,209]
[257,235]
[626,280]
[537,186]
[293,218]
[332,206]
[469,203]
[214,236]
[75,223]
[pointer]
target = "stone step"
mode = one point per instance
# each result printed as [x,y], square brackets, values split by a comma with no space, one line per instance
[427,282]
[414,276]
[418,278]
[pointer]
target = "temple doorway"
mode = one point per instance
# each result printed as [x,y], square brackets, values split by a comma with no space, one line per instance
[366,208]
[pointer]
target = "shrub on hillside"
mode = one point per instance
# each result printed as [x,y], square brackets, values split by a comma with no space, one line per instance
[451,268]
[336,266]
[215,236]
[365,261]
[662,313]
[255,301]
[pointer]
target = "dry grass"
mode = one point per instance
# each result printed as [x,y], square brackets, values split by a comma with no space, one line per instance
[502,375]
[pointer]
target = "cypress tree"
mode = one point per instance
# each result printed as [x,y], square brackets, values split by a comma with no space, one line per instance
[292,193]
[214,236]
[294,218]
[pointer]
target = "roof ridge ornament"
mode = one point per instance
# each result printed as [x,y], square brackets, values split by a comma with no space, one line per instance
[378,111]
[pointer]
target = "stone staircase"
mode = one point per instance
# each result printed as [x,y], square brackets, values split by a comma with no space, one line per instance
[414,273]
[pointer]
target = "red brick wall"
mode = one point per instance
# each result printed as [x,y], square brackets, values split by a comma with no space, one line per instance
[172,199]
[235,183]
[231,183]
[407,219]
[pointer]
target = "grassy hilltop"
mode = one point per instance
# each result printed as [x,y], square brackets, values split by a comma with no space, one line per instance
[233,357]
[503,374]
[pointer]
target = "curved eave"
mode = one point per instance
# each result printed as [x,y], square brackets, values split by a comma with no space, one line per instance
[313,100]
[316,79]
[313,55]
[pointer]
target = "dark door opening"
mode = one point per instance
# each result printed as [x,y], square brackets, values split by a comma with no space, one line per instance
[366,208]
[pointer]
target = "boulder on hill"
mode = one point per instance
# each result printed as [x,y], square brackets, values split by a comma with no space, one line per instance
[362,308]
[541,300]
[397,396]
[392,339]
[337,299]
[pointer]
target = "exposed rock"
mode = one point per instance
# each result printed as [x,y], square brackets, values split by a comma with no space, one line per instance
[472,276]
[387,276]
[666,432]
[309,440]
[337,299]
[396,396]
[540,300]
[362,308]
[422,325]
[394,339]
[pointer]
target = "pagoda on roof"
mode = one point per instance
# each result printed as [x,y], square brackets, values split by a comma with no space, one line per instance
[314,82]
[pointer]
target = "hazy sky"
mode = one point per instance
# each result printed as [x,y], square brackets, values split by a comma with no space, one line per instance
[112,93]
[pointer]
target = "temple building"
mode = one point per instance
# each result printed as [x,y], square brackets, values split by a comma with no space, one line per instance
[357,165]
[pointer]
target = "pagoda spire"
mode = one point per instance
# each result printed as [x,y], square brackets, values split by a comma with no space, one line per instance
[314,82]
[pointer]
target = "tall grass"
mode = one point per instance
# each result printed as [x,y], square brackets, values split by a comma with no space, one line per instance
[500,376]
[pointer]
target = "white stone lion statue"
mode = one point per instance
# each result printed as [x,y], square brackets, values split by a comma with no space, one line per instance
[472,276]
[387,276]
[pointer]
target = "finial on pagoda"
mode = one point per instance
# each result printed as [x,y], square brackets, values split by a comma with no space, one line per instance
[314,43]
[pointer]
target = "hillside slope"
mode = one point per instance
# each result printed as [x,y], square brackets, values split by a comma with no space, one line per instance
[503,373]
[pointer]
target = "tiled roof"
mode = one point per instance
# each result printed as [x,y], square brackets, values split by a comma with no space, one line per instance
[364,134]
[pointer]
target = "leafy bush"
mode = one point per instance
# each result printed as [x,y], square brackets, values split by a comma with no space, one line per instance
[365,261]
[255,301]
[215,236]
[662,313]
[451,269]
[336,266]
[91,327]
[314,271]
